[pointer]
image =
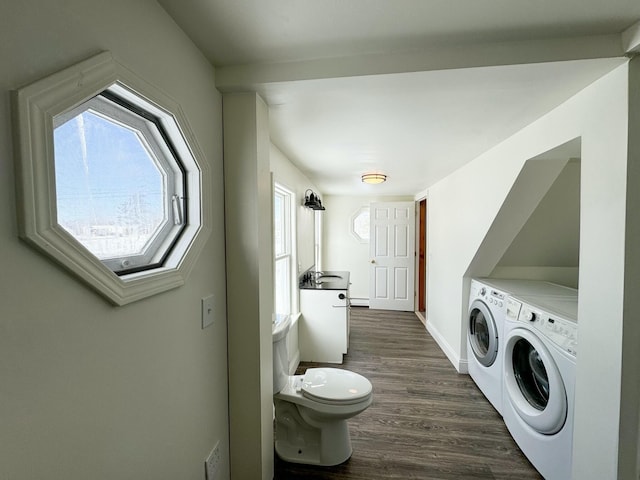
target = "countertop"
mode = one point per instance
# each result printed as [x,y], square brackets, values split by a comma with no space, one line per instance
[333,280]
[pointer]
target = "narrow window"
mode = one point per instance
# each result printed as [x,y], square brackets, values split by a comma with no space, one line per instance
[283,251]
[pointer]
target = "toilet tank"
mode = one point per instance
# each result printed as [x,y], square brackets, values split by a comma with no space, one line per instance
[280,328]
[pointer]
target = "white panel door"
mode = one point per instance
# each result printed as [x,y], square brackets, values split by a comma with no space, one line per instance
[392,250]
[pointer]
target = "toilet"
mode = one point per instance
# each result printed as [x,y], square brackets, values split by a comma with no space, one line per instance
[312,410]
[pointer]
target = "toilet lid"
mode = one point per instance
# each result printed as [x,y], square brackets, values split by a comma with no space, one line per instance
[334,385]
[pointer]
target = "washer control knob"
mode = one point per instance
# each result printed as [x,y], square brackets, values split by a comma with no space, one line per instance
[483,291]
[529,316]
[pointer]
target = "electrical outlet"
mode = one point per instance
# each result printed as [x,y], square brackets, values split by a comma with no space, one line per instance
[212,463]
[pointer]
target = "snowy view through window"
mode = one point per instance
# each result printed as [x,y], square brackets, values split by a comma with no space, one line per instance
[111,181]
[110,189]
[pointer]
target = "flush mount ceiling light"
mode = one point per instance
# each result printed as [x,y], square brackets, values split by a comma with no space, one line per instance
[374,178]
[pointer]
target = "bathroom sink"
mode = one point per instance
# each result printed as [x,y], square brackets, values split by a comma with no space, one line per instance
[327,279]
[322,277]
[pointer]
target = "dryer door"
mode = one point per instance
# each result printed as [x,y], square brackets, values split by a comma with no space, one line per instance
[483,333]
[533,383]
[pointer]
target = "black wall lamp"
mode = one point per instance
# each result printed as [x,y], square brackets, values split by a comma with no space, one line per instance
[312,200]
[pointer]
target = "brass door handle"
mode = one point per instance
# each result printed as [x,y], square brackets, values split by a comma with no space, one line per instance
[373,261]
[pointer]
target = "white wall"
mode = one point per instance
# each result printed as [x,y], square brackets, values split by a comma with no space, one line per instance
[629,466]
[341,250]
[89,390]
[459,221]
[249,233]
[288,175]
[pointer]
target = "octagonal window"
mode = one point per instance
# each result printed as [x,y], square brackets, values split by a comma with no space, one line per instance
[111,183]
[119,185]
[360,224]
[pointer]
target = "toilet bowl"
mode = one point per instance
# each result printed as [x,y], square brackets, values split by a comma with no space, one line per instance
[312,410]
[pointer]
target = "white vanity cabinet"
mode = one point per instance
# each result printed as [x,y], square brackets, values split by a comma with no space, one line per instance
[323,333]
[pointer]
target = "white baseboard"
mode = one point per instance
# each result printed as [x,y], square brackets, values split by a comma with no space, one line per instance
[359,302]
[463,366]
[460,365]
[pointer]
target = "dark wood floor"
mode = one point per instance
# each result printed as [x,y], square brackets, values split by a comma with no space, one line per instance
[426,420]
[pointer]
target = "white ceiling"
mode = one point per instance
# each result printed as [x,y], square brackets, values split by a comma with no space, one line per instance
[410,88]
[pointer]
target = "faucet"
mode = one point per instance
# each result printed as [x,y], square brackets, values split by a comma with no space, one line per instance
[310,276]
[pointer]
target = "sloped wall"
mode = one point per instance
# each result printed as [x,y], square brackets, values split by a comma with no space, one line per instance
[459,221]
[548,245]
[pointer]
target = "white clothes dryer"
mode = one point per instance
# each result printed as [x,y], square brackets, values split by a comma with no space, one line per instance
[541,339]
[485,326]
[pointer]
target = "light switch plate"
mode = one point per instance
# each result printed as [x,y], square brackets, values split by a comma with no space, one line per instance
[207,311]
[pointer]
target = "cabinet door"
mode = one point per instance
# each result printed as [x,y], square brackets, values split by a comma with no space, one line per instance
[323,334]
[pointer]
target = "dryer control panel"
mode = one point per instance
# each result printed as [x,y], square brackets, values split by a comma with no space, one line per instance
[562,332]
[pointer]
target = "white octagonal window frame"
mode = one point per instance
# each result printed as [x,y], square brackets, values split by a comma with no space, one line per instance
[359,224]
[36,108]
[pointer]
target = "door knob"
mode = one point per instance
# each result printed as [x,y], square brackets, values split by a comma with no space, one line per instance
[373,261]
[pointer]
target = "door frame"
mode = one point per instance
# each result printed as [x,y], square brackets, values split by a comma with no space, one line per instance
[421,294]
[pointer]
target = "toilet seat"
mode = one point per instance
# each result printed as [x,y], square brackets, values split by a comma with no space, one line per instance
[334,386]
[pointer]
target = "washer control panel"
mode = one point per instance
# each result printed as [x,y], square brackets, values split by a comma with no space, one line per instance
[564,333]
[492,297]
[497,298]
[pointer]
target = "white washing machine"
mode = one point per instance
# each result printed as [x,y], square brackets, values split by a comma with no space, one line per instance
[485,325]
[541,340]
[487,307]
